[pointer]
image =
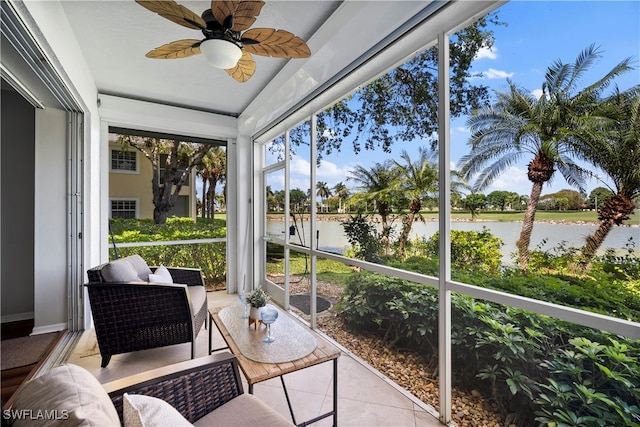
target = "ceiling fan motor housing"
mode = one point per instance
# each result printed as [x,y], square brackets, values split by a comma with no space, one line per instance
[215,30]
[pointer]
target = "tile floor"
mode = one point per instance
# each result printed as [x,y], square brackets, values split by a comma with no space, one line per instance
[364,397]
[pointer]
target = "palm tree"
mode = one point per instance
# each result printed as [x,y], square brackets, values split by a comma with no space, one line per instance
[614,147]
[342,192]
[416,180]
[323,191]
[203,173]
[375,186]
[546,128]
[212,170]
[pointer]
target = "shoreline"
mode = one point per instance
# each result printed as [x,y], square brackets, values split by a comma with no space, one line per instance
[343,217]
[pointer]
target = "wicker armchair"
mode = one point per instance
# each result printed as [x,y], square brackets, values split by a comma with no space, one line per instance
[131,315]
[198,387]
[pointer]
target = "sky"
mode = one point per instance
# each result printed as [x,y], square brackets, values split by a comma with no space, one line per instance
[538,33]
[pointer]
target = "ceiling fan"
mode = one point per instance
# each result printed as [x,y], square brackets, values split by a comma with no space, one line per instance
[228,40]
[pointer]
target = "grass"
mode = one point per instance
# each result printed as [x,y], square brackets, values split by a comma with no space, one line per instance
[326,270]
[541,215]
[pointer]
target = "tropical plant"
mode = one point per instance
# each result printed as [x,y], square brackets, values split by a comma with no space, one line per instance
[375,185]
[211,170]
[323,191]
[614,147]
[342,192]
[547,128]
[363,238]
[415,180]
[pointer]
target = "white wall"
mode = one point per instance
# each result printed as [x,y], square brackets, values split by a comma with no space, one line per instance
[48,24]
[50,234]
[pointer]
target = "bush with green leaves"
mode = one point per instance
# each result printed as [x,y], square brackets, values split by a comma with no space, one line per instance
[592,384]
[478,250]
[209,257]
[508,354]
[363,237]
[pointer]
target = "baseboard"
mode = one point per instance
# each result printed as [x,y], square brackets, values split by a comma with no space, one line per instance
[7,318]
[37,330]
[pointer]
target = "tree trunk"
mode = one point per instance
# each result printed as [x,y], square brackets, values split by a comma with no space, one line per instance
[527,226]
[204,197]
[160,215]
[614,211]
[211,196]
[406,229]
[594,242]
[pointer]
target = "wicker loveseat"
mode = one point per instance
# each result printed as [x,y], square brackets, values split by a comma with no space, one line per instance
[206,392]
[131,313]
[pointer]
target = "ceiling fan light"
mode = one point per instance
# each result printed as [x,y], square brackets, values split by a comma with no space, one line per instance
[221,54]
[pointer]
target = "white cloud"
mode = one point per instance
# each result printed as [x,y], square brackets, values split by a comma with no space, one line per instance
[492,74]
[327,171]
[537,93]
[487,53]
[513,179]
[460,130]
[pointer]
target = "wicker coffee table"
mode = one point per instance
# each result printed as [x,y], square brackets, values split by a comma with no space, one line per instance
[260,361]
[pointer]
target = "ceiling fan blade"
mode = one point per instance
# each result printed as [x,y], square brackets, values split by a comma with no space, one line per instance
[244,69]
[223,11]
[236,15]
[174,12]
[176,50]
[246,14]
[276,43]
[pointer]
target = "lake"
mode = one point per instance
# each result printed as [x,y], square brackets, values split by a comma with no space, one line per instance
[331,235]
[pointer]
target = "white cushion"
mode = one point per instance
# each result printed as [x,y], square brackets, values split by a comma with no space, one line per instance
[70,394]
[197,296]
[161,275]
[139,410]
[245,410]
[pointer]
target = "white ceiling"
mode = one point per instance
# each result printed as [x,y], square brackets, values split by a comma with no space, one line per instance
[345,37]
[115,36]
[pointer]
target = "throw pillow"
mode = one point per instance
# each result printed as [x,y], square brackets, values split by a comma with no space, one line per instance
[161,275]
[139,410]
[67,395]
[140,266]
[119,270]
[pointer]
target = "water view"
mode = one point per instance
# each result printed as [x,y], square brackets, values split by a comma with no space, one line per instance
[546,236]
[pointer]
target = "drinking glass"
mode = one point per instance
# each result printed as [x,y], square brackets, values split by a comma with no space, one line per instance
[243,300]
[268,316]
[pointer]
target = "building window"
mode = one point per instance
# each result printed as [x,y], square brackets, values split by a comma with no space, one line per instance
[124,161]
[124,208]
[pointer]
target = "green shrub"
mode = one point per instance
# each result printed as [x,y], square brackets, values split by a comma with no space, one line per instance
[477,250]
[210,257]
[512,355]
[363,237]
[592,384]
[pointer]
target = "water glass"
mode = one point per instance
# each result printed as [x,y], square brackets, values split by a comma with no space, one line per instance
[243,299]
[268,316]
